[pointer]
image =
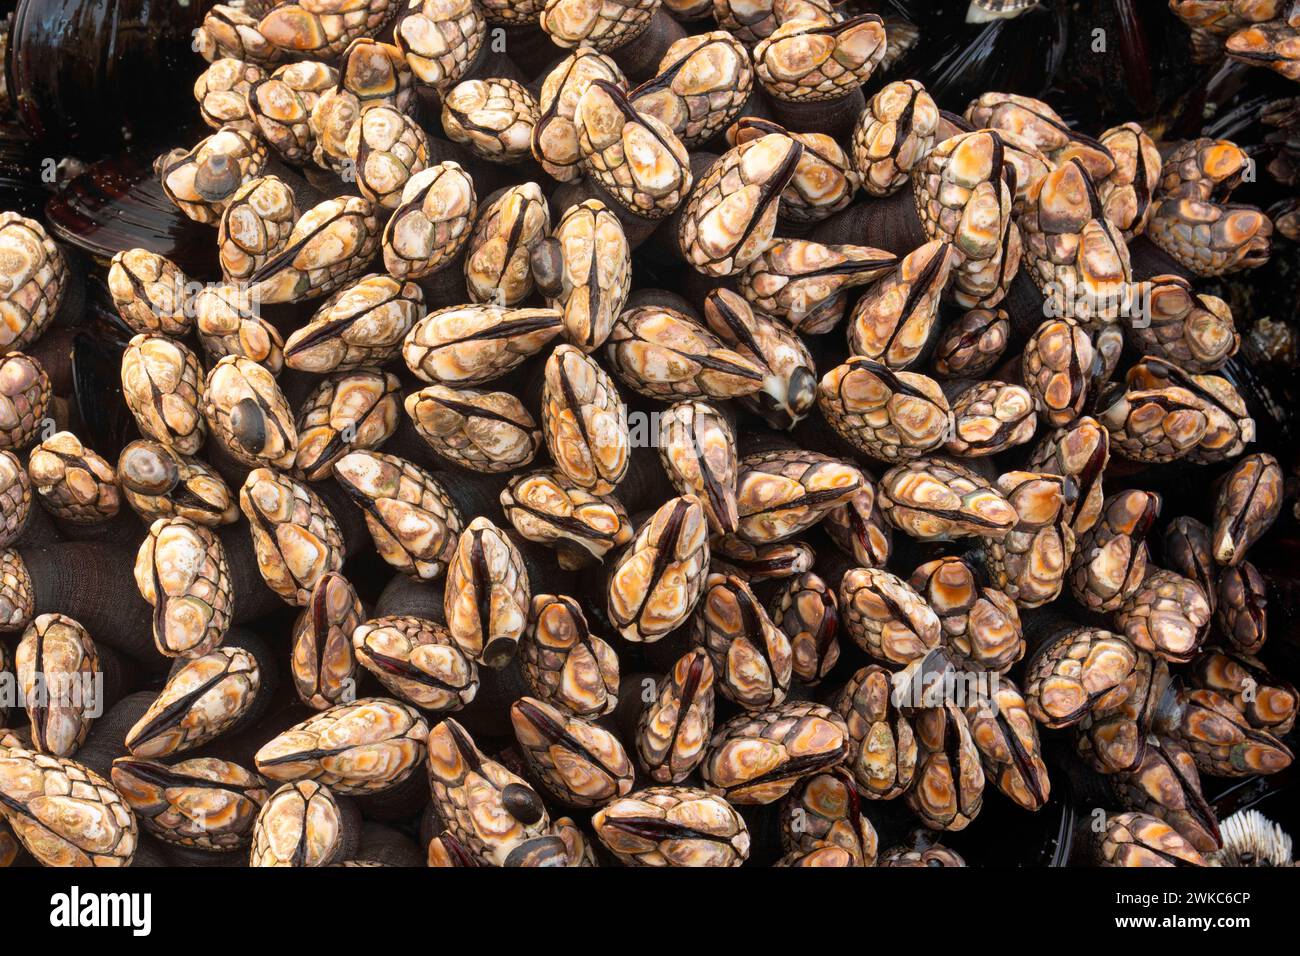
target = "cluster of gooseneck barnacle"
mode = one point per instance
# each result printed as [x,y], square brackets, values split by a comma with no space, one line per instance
[517,461]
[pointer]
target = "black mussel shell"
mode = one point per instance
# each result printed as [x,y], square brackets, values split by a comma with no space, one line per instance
[119,204]
[98,73]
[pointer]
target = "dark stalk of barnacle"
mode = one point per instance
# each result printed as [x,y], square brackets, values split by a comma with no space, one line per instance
[979,625]
[1007,740]
[1139,839]
[801,739]
[1248,501]
[383,845]
[790,384]
[824,180]
[813,72]
[673,826]
[1267,701]
[304,824]
[1218,736]
[81,580]
[805,283]
[220,693]
[806,609]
